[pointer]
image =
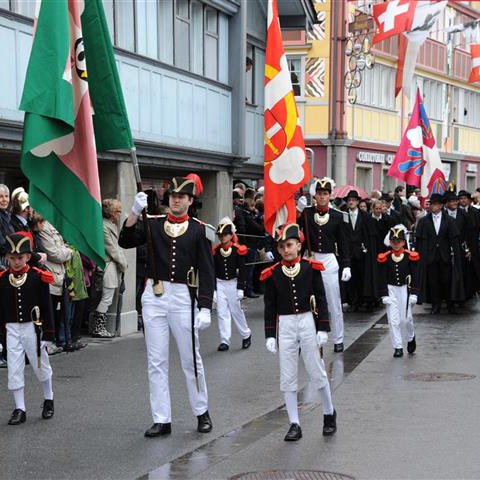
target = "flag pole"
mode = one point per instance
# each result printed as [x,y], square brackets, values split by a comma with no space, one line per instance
[157,286]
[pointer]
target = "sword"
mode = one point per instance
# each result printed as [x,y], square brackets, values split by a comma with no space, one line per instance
[408,278]
[35,316]
[192,287]
[314,310]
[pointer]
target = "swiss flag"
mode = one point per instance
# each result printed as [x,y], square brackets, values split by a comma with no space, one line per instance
[475,54]
[392,18]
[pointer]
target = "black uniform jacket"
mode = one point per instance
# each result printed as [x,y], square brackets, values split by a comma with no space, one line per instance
[16,303]
[175,256]
[392,271]
[327,238]
[230,263]
[288,296]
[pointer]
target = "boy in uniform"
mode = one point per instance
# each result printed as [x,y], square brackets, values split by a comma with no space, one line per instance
[398,287]
[229,260]
[26,317]
[295,299]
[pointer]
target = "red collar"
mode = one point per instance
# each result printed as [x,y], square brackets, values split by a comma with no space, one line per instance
[227,246]
[25,269]
[173,219]
[398,253]
[292,263]
[322,209]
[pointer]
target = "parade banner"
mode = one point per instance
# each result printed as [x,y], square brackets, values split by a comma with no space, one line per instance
[417,161]
[286,167]
[392,18]
[71,69]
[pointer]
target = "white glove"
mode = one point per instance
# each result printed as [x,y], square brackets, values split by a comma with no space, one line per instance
[302,203]
[386,300]
[271,345]
[413,300]
[43,258]
[139,203]
[240,294]
[346,274]
[322,338]
[203,319]
[269,256]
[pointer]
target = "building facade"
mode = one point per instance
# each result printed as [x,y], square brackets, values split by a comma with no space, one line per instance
[356,143]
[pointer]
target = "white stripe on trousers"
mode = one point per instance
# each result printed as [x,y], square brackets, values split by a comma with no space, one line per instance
[400,323]
[228,307]
[21,340]
[171,312]
[332,292]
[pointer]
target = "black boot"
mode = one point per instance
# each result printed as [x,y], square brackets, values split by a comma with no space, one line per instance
[18,417]
[330,424]
[398,353]
[223,347]
[411,345]
[294,433]
[47,410]
[246,342]
[159,429]
[204,423]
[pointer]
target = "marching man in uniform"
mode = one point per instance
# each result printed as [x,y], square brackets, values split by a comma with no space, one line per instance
[324,230]
[398,287]
[27,317]
[229,260]
[295,299]
[182,253]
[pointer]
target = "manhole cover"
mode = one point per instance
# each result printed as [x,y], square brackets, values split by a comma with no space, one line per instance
[439,377]
[292,475]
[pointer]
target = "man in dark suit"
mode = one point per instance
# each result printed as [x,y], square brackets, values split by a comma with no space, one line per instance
[393,216]
[381,222]
[361,239]
[440,257]
[472,270]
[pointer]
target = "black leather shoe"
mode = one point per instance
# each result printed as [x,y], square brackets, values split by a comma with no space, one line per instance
[159,429]
[204,423]
[435,310]
[252,295]
[68,347]
[18,417]
[246,342]
[330,424]
[223,347]
[398,353]
[338,348]
[411,345]
[78,345]
[294,433]
[47,410]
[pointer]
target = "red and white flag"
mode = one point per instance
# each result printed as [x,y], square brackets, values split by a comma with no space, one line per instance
[392,18]
[425,16]
[286,168]
[475,54]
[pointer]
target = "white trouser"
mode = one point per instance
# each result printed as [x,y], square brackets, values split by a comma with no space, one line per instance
[21,340]
[228,307]
[401,323]
[294,332]
[332,292]
[107,299]
[171,311]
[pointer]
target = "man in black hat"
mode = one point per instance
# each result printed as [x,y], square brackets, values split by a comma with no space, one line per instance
[26,319]
[398,287]
[361,238]
[324,230]
[296,312]
[438,243]
[182,253]
[393,216]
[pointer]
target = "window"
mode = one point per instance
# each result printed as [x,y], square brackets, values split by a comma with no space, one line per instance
[470,183]
[23,7]
[182,34]
[124,24]
[466,107]
[388,182]
[197,38]
[249,72]
[377,88]
[433,99]
[211,43]
[295,67]
[364,178]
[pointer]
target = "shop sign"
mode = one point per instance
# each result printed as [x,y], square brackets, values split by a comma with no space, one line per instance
[375,157]
[389,158]
[472,168]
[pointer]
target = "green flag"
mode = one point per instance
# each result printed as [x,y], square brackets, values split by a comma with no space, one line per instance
[71,68]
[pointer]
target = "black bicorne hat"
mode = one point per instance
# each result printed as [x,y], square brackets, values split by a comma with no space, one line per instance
[287,231]
[397,233]
[19,242]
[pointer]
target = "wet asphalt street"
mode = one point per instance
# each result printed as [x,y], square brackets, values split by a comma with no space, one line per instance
[392,423]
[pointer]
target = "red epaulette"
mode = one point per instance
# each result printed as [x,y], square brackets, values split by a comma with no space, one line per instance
[268,272]
[413,256]
[316,264]
[3,272]
[214,248]
[383,257]
[241,249]
[45,275]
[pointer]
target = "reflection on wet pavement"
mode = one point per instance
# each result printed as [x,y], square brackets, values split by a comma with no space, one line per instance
[219,449]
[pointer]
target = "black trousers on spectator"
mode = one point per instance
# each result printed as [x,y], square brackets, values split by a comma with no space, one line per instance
[79,313]
[439,276]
